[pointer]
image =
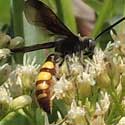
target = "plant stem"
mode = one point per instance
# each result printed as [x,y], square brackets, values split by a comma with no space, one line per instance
[17,17]
[17,23]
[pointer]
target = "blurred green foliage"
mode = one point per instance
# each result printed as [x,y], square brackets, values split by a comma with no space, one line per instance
[108,11]
[4,11]
[116,8]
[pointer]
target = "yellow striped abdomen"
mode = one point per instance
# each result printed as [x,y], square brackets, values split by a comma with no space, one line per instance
[44,84]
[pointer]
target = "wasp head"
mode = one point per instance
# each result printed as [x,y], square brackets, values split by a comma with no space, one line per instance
[87,45]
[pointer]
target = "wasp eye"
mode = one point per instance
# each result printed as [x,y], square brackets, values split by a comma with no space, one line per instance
[91,44]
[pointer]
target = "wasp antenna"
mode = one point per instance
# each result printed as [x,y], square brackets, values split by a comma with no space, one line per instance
[110,27]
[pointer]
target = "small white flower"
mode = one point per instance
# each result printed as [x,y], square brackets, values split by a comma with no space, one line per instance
[105,101]
[98,119]
[4,72]
[77,114]
[98,116]
[76,111]
[119,42]
[22,78]
[119,63]
[4,53]
[97,65]
[86,78]
[101,109]
[14,85]
[85,82]
[98,61]
[109,46]
[61,87]
[121,121]
[27,72]
[98,68]
[75,66]
[5,100]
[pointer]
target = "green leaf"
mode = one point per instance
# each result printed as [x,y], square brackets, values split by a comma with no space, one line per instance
[65,12]
[40,117]
[104,15]
[16,118]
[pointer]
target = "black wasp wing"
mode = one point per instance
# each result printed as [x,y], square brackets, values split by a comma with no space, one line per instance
[39,14]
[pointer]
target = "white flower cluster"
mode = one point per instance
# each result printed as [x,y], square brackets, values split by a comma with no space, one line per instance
[17,84]
[91,90]
[96,86]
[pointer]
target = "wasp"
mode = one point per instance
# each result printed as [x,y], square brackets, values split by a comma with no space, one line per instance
[39,14]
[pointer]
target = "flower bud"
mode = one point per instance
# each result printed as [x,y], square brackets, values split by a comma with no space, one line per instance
[84,89]
[20,102]
[113,72]
[76,115]
[4,53]
[5,100]
[16,42]
[85,83]
[103,80]
[4,40]
[63,69]
[4,72]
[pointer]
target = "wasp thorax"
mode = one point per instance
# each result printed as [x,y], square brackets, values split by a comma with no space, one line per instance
[88,45]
